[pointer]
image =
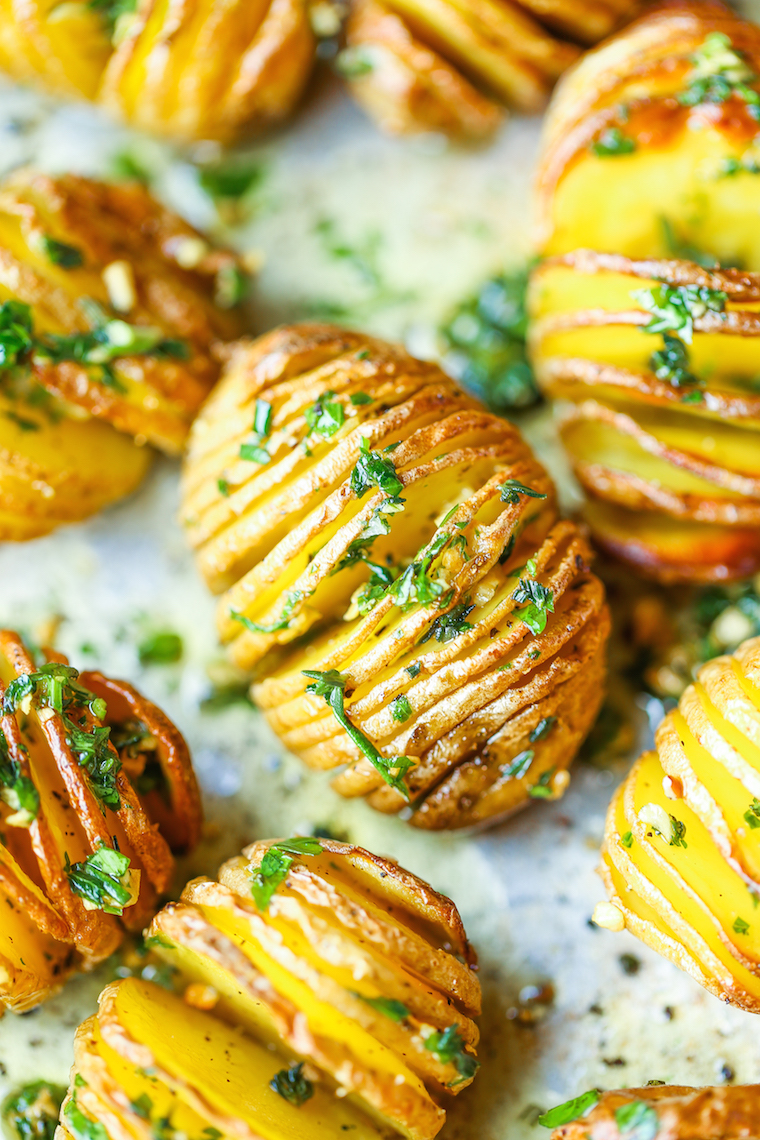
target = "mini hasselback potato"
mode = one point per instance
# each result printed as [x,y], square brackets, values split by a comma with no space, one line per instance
[449,65]
[325,990]
[661,1112]
[660,359]
[96,788]
[203,70]
[109,307]
[650,143]
[393,571]
[681,856]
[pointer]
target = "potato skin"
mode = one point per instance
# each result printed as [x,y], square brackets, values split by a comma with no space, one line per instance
[631,83]
[683,888]
[73,820]
[683,1113]
[671,468]
[277,538]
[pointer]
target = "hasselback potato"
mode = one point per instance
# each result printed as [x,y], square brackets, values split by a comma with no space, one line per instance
[326,990]
[451,65]
[681,856]
[660,359]
[392,568]
[96,789]
[659,1112]
[650,142]
[201,70]
[109,307]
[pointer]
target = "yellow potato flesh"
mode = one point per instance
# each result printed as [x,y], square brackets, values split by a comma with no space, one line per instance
[322,1018]
[194,1048]
[718,215]
[25,951]
[702,868]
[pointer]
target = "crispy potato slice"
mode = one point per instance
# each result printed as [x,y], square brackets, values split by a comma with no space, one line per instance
[211,70]
[66,797]
[406,86]
[598,192]
[673,428]
[676,1112]
[681,857]
[379,510]
[62,46]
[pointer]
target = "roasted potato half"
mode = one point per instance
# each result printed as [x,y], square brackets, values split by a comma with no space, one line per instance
[660,359]
[681,855]
[325,990]
[664,1112]
[109,308]
[95,785]
[393,571]
[206,70]
[650,142]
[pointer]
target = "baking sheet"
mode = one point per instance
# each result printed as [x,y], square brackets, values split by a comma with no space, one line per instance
[424,226]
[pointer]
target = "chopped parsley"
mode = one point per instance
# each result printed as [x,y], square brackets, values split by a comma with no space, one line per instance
[752,815]
[542,729]
[292,1085]
[414,670]
[674,308]
[113,10]
[79,1125]
[57,686]
[571,1110]
[448,1047]
[163,648]
[740,926]
[283,622]
[276,864]
[719,71]
[627,839]
[331,686]
[374,470]
[31,1113]
[612,143]
[104,880]
[395,1010]
[17,791]
[637,1121]
[223,487]
[543,789]
[360,399]
[401,710]
[677,833]
[326,416]
[450,625]
[512,490]
[142,1107]
[671,362]
[16,338]
[230,180]
[519,766]
[540,604]
[231,286]
[67,256]
[254,451]
[415,586]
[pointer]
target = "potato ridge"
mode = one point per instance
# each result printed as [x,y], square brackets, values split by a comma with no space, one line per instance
[325,990]
[409,596]
[96,790]
[681,858]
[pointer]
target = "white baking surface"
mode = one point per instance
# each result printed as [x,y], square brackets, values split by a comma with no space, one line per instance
[445,219]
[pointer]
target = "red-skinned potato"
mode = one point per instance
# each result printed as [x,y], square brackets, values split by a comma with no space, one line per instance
[89,772]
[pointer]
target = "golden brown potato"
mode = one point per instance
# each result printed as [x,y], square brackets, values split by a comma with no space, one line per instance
[89,771]
[392,568]
[650,142]
[109,308]
[664,1112]
[204,70]
[421,65]
[325,990]
[660,359]
[681,856]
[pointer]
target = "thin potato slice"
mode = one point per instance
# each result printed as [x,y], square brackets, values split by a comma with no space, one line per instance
[676,1112]
[631,139]
[681,857]
[376,508]
[64,47]
[78,848]
[660,358]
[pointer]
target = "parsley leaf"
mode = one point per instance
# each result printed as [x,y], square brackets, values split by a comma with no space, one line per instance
[637,1121]
[512,490]
[103,880]
[740,926]
[718,72]
[67,256]
[292,1085]
[450,625]
[415,586]
[283,622]
[31,1113]
[276,864]
[543,728]
[540,604]
[674,308]
[627,839]
[519,766]
[671,362]
[374,470]
[160,649]
[331,686]
[612,143]
[571,1110]
[395,1010]
[326,416]
[15,332]
[752,815]
[448,1047]
[677,833]
[401,710]
[79,1125]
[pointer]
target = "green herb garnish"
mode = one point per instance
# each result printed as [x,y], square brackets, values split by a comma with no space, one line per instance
[292,1085]
[326,416]
[740,926]
[518,767]
[374,470]
[160,649]
[512,490]
[671,362]
[276,864]
[612,143]
[677,833]
[448,1047]
[103,880]
[395,1010]
[627,839]
[79,1125]
[543,728]
[720,71]
[331,686]
[31,1113]
[17,791]
[540,604]
[292,600]
[67,256]
[637,1121]
[752,815]
[450,625]
[401,710]
[571,1110]
[674,308]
